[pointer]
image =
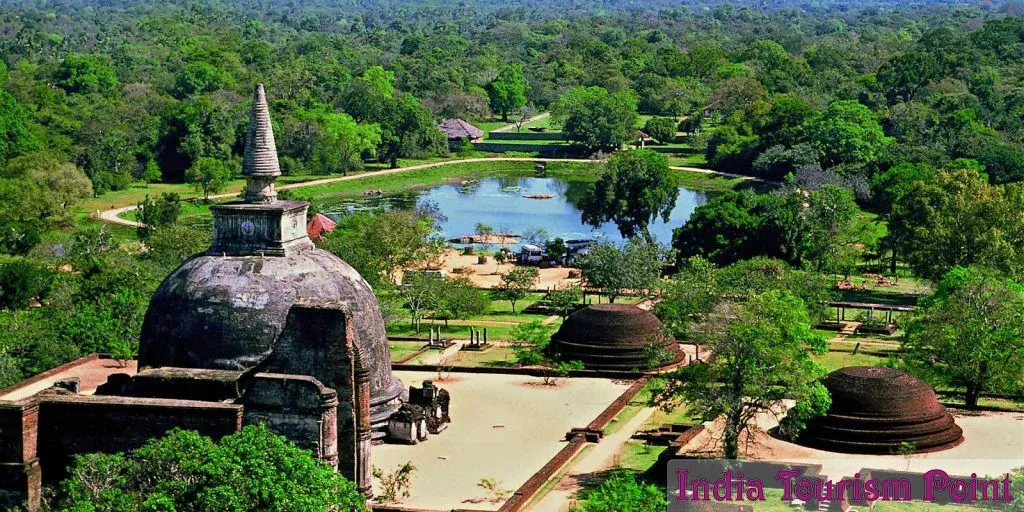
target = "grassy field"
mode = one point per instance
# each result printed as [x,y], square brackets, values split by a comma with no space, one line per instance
[637,456]
[488,126]
[693,160]
[544,122]
[401,349]
[831,361]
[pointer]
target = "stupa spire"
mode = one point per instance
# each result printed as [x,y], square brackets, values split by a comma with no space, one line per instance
[260,167]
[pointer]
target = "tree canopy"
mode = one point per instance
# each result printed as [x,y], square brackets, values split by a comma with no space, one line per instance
[760,354]
[969,334]
[595,118]
[252,470]
[634,190]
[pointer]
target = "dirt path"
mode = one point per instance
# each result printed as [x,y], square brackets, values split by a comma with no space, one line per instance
[508,127]
[600,458]
[719,173]
[112,215]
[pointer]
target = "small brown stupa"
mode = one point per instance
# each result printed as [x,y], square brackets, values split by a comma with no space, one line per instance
[615,337]
[881,411]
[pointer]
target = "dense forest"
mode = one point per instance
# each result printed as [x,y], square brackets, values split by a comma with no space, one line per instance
[872,97]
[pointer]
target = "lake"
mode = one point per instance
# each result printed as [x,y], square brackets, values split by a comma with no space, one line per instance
[498,202]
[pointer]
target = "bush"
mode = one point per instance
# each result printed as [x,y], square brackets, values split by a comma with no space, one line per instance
[661,128]
[21,281]
[623,493]
[251,470]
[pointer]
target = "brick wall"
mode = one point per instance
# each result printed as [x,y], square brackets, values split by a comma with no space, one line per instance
[309,419]
[20,478]
[74,424]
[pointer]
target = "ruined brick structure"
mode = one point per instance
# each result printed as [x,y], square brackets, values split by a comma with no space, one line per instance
[615,337]
[881,411]
[262,328]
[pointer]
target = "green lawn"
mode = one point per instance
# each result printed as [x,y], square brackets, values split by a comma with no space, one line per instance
[637,456]
[544,122]
[831,361]
[693,160]
[531,142]
[488,126]
[402,349]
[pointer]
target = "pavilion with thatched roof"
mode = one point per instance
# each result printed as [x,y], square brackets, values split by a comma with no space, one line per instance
[459,130]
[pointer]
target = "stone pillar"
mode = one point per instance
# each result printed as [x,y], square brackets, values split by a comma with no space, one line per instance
[363,429]
[329,430]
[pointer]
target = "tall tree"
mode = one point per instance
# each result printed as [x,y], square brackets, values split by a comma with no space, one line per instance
[42,188]
[958,218]
[516,284]
[379,246]
[633,267]
[342,142]
[209,176]
[85,74]
[969,334]
[14,136]
[595,118]
[634,190]
[760,355]
[508,90]
[846,133]
[457,298]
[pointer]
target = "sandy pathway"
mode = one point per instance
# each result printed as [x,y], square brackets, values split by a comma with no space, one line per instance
[436,356]
[600,458]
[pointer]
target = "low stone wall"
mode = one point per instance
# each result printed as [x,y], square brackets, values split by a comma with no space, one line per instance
[613,409]
[51,372]
[530,372]
[525,135]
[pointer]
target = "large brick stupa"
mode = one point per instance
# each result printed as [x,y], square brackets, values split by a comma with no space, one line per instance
[227,308]
[881,411]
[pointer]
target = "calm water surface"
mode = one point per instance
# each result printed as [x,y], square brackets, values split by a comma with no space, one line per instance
[498,202]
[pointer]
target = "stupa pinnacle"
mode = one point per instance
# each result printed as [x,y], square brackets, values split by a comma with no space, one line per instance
[259,224]
[260,167]
[228,308]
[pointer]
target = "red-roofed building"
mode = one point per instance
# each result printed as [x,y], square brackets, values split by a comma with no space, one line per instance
[318,226]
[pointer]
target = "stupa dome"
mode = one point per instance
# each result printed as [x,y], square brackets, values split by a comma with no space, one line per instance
[226,308]
[881,411]
[614,337]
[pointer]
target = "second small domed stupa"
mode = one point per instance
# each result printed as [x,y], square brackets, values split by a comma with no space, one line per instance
[227,308]
[615,337]
[881,411]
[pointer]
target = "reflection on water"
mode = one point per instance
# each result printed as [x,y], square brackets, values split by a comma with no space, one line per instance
[498,202]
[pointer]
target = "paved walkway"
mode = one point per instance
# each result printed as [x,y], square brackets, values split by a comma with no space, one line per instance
[601,457]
